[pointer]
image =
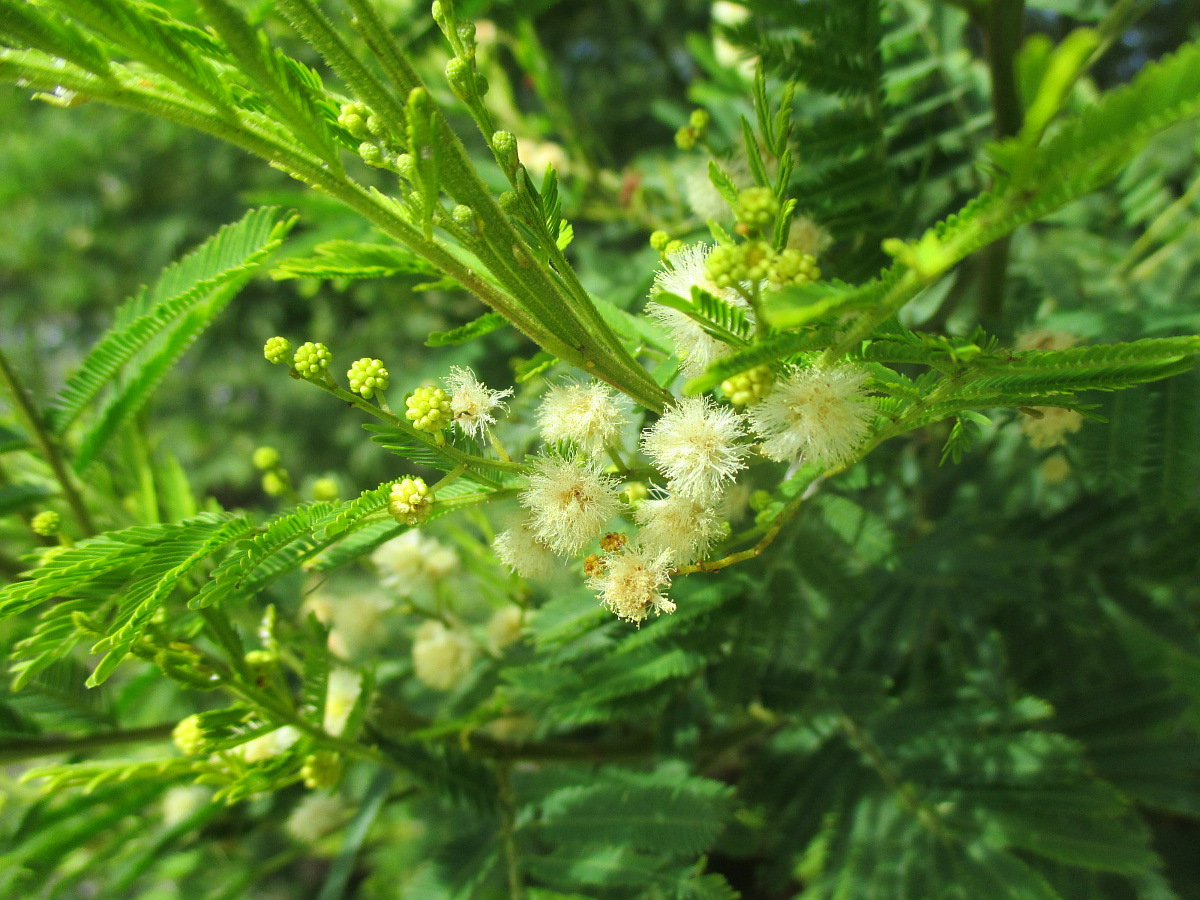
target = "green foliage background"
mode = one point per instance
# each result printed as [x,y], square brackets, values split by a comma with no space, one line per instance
[968,679]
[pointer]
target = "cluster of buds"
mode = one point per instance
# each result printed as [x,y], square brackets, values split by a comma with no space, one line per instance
[410,501]
[747,388]
[695,131]
[311,360]
[366,376]
[46,523]
[428,409]
[275,479]
[756,208]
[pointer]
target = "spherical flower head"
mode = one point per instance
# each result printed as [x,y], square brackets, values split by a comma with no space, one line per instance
[756,207]
[357,624]
[353,117]
[366,376]
[312,359]
[702,195]
[413,561]
[818,414]
[325,489]
[677,524]
[265,458]
[321,769]
[697,445]
[46,523]
[697,348]
[442,657]
[630,583]
[341,693]
[409,501]
[428,409]
[276,349]
[314,817]
[569,501]
[504,628]
[586,414]
[731,264]
[519,548]
[472,404]
[188,736]
[274,484]
[806,236]
[1051,427]
[791,268]
[269,745]
[747,388]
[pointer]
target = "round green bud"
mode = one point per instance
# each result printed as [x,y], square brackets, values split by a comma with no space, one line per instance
[659,240]
[461,77]
[312,359]
[509,201]
[406,165]
[463,216]
[793,268]
[747,388]
[504,145]
[731,264]
[274,484]
[46,523]
[439,13]
[321,770]
[277,349]
[466,34]
[760,500]
[672,247]
[410,502]
[366,376]
[756,207]
[188,736]
[375,125]
[428,409]
[265,458]
[353,117]
[699,119]
[685,138]
[372,154]
[325,489]
[635,492]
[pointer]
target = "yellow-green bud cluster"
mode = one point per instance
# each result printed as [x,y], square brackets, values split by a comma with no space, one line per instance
[747,388]
[353,117]
[428,409]
[756,207]
[694,131]
[792,268]
[46,523]
[321,770]
[188,736]
[463,216]
[406,165]
[265,458]
[275,483]
[277,349]
[504,145]
[325,489]
[366,376]
[312,359]
[731,264]
[659,240]
[260,659]
[410,502]
[372,154]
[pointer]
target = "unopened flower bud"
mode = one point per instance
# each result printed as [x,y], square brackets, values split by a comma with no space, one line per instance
[265,458]
[46,523]
[274,484]
[509,201]
[461,77]
[504,145]
[321,770]
[793,268]
[463,216]
[748,387]
[372,154]
[325,489]
[428,409]
[406,165]
[757,207]
[699,119]
[366,376]
[410,502]
[659,240]
[312,359]
[188,736]
[277,349]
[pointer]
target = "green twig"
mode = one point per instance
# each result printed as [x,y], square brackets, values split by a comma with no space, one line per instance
[20,749]
[46,443]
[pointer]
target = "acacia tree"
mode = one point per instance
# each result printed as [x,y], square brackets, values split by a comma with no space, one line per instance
[734,626]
